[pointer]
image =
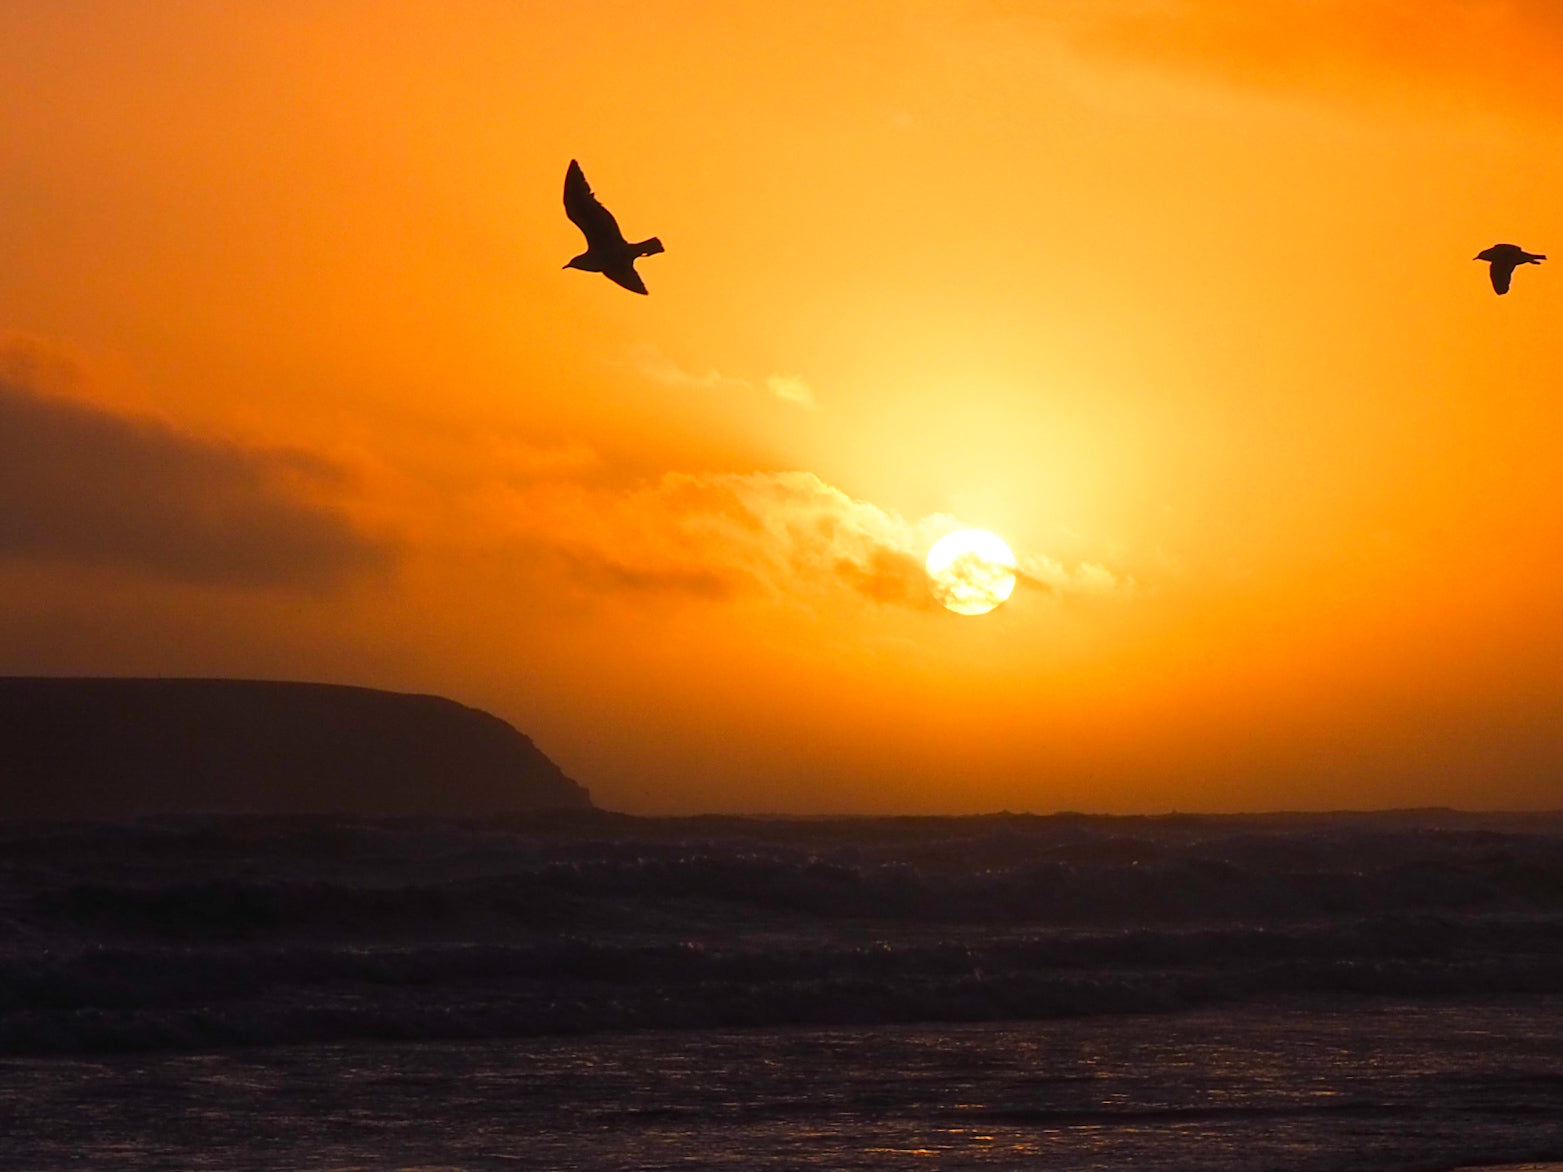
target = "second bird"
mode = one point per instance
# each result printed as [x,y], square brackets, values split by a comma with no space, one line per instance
[607,252]
[1502,259]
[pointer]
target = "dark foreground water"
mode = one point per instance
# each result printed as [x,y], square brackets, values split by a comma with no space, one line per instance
[598,992]
[1376,1086]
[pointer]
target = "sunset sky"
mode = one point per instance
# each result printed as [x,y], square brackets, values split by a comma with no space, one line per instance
[1175,296]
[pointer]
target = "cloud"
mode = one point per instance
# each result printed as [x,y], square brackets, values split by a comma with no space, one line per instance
[653,364]
[786,534]
[83,485]
[713,536]
[797,532]
[1039,572]
[791,388]
[601,573]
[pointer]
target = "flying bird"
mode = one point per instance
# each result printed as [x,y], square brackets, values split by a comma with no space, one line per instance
[607,252]
[1502,260]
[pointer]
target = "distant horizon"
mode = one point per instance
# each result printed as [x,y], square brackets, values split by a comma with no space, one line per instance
[786,815]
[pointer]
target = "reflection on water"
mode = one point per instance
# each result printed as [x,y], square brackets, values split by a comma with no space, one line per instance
[1375,1086]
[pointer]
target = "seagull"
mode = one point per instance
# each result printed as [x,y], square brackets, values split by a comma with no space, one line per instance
[607,252]
[1504,258]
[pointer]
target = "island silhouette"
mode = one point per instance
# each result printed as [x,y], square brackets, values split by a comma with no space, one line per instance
[95,748]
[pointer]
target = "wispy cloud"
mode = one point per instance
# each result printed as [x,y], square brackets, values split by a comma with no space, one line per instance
[655,365]
[1041,572]
[787,534]
[791,388]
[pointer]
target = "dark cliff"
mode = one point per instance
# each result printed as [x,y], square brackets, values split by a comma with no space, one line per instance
[113,748]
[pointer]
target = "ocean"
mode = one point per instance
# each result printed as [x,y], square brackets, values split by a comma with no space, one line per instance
[585,990]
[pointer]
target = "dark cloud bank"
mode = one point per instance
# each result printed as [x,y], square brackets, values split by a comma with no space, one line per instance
[80,484]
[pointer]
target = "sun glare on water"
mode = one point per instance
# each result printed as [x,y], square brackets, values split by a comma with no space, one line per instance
[971,571]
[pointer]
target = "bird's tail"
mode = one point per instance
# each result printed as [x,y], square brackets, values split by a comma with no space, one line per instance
[648,247]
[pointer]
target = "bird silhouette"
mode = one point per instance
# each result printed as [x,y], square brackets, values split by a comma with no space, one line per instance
[1502,259]
[607,252]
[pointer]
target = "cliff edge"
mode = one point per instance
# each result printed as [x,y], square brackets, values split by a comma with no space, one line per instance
[114,748]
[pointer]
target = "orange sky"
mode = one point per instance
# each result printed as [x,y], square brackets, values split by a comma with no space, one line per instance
[1176,297]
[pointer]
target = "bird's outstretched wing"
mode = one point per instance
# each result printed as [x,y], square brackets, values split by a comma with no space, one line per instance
[626,277]
[595,221]
[1501,274]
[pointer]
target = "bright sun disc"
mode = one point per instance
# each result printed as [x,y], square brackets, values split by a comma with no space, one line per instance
[971,571]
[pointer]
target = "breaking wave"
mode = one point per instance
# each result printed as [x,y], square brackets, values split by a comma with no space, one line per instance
[201,933]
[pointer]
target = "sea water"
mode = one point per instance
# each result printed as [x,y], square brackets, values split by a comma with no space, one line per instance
[594,992]
[1375,1086]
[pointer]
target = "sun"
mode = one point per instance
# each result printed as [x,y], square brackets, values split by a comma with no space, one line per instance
[971,571]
